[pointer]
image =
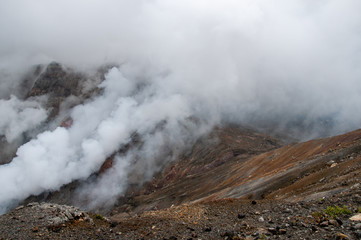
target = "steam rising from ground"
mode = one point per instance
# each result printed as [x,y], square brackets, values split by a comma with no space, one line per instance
[17,117]
[100,128]
[284,63]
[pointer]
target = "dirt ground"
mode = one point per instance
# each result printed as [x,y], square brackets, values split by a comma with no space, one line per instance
[221,219]
[306,190]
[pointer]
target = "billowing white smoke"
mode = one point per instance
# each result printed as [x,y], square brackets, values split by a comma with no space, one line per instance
[17,117]
[246,61]
[100,128]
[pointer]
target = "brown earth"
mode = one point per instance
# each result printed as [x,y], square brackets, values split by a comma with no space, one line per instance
[233,168]
[221,219]
[198,173]
[235,184]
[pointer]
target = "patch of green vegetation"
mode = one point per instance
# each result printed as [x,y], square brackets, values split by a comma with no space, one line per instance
[317,214]
[359,209]
[336,211]
[262,237]
[99,216]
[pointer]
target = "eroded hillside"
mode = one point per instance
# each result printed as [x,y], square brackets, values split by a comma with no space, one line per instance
[231,168]
[236,184]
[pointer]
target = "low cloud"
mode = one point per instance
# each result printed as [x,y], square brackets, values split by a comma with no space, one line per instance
[185,66]
[17,117]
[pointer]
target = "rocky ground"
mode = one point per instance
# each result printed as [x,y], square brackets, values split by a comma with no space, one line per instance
[221,219]
[306,190]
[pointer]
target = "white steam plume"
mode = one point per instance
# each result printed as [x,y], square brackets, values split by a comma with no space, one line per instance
[100,128]
[248,61]
[17,117]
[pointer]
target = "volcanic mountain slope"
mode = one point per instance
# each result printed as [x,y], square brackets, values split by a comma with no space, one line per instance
[196,174]
[226,187]
[231,168]
[206,192]
[195,170]
[60,89]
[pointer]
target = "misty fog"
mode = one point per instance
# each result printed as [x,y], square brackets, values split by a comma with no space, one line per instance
[290,66]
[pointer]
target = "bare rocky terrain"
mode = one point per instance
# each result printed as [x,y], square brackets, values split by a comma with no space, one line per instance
[221,219]
[305,190]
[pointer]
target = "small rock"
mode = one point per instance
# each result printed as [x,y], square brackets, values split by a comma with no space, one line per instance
[244,224]
[32,204]
[241,216]
[254,202]
[261,231]
[341,236]
[229,234]
[287,210]
[357,226]
[334,223]
[272,230]
[113,224]
[57,220]
[330,162]
[339,221]
[356,217]
[208,229]
[20,207]
[324,224]
[35,229]
[282,231]
[261,219]
[358,234]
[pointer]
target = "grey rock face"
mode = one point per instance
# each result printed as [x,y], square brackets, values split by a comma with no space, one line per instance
[49,214]
[58,84]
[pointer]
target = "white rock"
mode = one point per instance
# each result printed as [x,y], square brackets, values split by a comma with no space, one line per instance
[357,217]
